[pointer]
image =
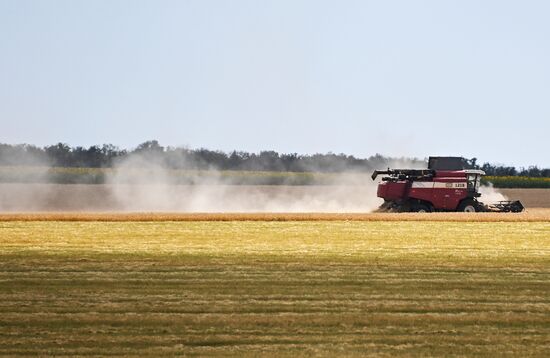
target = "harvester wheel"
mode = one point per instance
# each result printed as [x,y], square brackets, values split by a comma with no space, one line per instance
[420,208]
[468,206]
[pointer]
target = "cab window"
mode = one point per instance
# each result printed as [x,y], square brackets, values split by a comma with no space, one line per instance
[473,182]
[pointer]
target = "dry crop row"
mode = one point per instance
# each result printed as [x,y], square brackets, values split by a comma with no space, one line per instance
[531,215]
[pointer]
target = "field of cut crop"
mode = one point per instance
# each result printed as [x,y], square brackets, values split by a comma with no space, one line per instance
[292,287]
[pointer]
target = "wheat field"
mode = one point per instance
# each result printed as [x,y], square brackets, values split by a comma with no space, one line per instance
[274,288]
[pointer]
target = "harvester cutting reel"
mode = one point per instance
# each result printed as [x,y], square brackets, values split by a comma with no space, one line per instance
[504,207]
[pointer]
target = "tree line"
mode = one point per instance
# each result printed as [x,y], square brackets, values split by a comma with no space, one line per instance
[502,170]
[108,155]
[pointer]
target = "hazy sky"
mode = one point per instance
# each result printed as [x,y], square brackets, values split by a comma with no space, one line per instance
[401,78]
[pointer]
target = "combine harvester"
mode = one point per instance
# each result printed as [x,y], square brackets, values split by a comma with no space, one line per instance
[447,185]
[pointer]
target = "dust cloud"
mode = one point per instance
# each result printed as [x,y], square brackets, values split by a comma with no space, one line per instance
[157,191]
[490,195]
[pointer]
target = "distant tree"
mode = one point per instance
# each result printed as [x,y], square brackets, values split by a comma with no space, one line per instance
[152,146]
[234,161]
[22,155]
[60,155]
[110,152]
[532,171]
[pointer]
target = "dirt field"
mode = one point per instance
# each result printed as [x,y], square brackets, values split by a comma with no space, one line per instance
[531,198]
[270,288]
[220,198]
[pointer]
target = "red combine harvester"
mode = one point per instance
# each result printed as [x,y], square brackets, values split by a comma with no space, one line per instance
[447,185]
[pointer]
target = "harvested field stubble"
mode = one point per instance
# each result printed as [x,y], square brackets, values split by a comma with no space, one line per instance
[530,215]
[353,288]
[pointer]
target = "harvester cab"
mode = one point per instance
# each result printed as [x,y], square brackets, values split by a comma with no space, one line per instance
[449,184]
[473,182]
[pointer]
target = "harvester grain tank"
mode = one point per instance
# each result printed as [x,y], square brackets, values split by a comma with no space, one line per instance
[447,185]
